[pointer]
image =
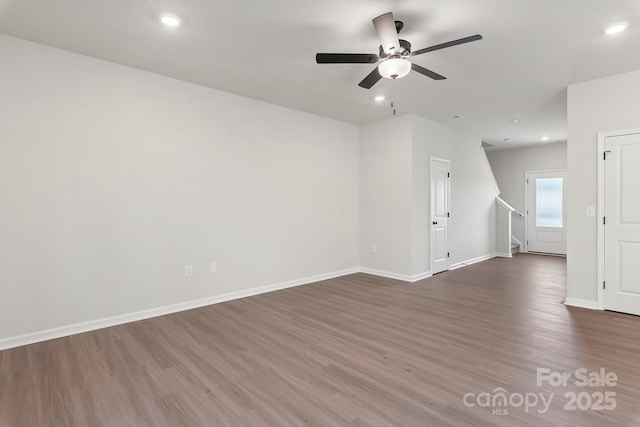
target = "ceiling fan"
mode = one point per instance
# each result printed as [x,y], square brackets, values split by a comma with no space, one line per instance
[394,54]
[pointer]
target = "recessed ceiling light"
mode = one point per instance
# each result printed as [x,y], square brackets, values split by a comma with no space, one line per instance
[379,98]
[514,121]
[507,140]
[544,138]
[458,117]
[170,20]
[617,28]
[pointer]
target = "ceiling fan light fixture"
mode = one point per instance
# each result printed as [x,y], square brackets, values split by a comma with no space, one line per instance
[394,68]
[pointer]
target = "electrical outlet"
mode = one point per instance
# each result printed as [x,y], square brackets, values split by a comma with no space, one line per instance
[188,270]
[213,267]
[374,249]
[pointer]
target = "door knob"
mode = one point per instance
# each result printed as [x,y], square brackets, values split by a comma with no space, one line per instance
[435,222]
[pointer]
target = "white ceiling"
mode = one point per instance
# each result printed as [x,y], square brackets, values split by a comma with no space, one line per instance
[532,49]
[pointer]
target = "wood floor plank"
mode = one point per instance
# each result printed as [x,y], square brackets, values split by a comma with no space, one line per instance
[354,351]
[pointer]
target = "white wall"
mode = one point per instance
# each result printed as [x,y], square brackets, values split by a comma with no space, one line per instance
[473,202]
[596,106]
[113,179]
[395,195]
[429,139]
[509,167]
[385,195]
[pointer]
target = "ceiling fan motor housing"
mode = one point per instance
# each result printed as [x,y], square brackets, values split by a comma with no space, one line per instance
[405,49]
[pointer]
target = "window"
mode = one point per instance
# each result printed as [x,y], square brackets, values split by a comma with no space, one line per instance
[549,202]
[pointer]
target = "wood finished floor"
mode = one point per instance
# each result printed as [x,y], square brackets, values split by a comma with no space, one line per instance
[353,351]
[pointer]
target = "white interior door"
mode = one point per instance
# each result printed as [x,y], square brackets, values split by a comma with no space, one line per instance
[622,223]
[546,213]
[440,200]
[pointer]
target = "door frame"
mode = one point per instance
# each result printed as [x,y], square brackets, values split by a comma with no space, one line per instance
[431,211]
[527,207]
[602,137]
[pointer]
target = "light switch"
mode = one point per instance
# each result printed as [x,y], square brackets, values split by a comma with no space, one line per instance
[591,211]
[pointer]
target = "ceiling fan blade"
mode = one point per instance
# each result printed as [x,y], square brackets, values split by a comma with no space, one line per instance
[426,72]
[346,58]
[385,26]
[447,44]
[371,79]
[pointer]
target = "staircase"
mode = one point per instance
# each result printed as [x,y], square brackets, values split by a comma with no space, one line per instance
[516,244]
[506,243]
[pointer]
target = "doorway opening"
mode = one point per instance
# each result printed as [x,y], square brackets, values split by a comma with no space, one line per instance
[545,195]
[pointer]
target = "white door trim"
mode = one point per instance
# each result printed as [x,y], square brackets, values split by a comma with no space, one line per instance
[431,210]
[602,136]
[526,203]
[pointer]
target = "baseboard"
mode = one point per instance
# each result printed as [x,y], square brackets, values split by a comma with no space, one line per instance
[582,303]
[387,274]
[503,255]
[93,325]
[476,260]
[415,278]
[421,276]
[396,276]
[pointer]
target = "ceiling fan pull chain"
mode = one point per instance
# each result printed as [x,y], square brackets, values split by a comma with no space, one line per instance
[393,102]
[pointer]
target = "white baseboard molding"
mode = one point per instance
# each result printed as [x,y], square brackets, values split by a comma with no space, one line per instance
[503,255]
[475,260]
[387,274]
[582,303]
[421,276]
[93,325]
[396,276]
